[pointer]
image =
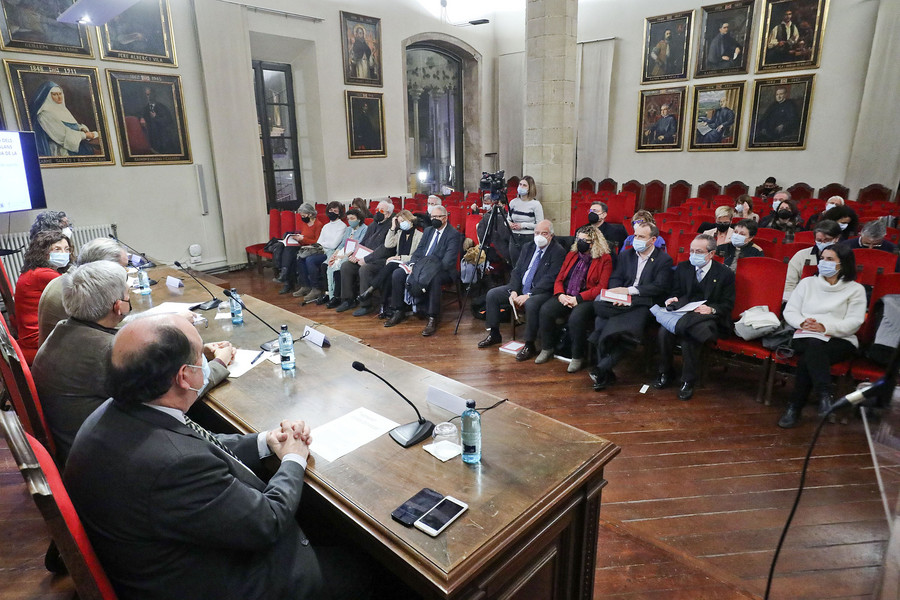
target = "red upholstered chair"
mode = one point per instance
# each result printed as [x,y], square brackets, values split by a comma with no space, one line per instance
[288,222]
[255,249]
[735,189]
[472,227]
[585,184]
[722,200]
[805,237]
[50,495]
[864,369]
[834,189]
[22,392]
[801,191]
[607,185]
[789,250]
[679,192]
[636,188]
[621,207]
[709,190]
[771,249]
[9,300]
[874,193]
[768,233]
[654,195]
[456,217]
[750,274]
[892,235]
[870,264]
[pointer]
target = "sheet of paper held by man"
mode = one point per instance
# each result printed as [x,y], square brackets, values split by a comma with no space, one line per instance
[244,360]
[347,433]
[690,306]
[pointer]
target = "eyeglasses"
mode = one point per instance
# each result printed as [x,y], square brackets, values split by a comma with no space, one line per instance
[699,252]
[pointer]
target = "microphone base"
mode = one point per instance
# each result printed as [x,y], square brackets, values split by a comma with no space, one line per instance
[208,305]
[412,433]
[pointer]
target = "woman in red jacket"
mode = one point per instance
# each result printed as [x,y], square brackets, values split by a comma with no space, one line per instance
[48,255]
[584,273]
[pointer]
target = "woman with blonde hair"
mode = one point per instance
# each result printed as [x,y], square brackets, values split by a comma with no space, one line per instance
[585,271]
[723,231]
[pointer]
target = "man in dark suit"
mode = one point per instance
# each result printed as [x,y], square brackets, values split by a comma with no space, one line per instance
[871,236]
[644,272]
[364,269]
[614,233]
[442,242]
[530,285]
[174,511]
[700,279]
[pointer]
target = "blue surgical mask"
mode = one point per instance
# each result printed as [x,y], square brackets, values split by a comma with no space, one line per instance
[204,366]
[698,260]
[829,206]
[353,223]
[827,268]
[59,259]
[822,245]
[639,245]
[405,225]
[523,190]
[775,205]
[738,240]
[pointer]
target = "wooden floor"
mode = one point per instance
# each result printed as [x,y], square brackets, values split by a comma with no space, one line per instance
[696,500]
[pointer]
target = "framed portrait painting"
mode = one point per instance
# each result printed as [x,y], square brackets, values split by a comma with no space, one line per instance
[149,115]
[661,119]
[724,43]
[667,42]
[141,34]
[780,115]
[790,36]
[62,105]
[716,116]
[31,26]
[361,44]
[365,124]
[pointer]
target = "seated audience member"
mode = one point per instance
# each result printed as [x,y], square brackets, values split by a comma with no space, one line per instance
[530,286]
[330,237]
[498,252]
[356,230]
[786,218]
[827,233]
[722,232]
[442,242]
[741,245]
[698,279]
[51,220]
[768,189]
[403,238]
[48,254]
[362,206]
[743,208]
[50,307]
[425,217]
[613,233]
[872,237]
[585,271]
[188,517]
[643,217]
[846,219]
[829,204]
[70,368]
[362,270]
[644,272]
[827,311]
[777,199]
[286,256]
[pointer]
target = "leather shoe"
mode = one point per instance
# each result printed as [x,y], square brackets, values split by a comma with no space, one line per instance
[663,380]
[287,288]
[366,294]
[346,305]
[686,391]
[603,380]
[363,310]
[323,299]
[302,291]
[333,303]
[790,418]
[430,327]
[527,352]
[395,319]
[490,340]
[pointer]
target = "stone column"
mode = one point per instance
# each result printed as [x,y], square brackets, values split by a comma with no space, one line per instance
[550,117]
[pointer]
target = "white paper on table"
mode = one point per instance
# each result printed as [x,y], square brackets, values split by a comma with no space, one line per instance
[345,434]
[443,450]
[169,307]
[241,362]
[130,282]
[689,307]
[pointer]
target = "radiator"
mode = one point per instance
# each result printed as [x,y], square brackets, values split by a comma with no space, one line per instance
[14,241]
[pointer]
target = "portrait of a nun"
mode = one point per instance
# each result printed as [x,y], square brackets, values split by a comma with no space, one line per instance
[57,131]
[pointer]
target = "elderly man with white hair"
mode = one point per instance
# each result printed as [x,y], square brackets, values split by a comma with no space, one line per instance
[872,237]
[829,204]
[361,271]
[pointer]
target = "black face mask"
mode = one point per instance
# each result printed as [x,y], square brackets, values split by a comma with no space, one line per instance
[583,245]
[437,223]
[378,218]
[785,214]
[305,219]
[722,227]
[593,218]
[333,216]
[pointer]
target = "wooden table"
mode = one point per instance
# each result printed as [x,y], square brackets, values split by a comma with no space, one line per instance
[534,500]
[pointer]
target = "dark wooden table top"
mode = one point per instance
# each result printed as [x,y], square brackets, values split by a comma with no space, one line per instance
[529,463]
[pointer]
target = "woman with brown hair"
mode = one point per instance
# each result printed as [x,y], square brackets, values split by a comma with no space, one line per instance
[525,211]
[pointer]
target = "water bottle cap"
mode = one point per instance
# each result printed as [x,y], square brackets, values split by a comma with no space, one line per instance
[284,327]
[470,404]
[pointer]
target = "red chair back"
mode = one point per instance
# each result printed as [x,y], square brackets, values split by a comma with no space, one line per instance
[472,227]
[875,193]
[801,191]
[872,263]
[585,184]
[9,300]
[274,223]
[708,190]
[886,284]
[607,185]
[892,235]
[758,281]
[678,193]
[767,233]
[288,223]
[770,249]
[805,237]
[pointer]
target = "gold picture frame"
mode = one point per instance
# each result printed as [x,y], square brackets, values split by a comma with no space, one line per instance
[667,47]
[661,119]
[779,119]
[361,45]
[801,47]
[723,47]
[32,27]
[141,34]
[716,115]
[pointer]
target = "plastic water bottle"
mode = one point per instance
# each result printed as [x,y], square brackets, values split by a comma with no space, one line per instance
[237,311]
[144,282]
[471,434]
[286,348]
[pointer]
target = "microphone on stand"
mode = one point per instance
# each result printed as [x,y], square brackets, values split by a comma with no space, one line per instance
[146,262]
[209,304]
[267,346]
[411,433]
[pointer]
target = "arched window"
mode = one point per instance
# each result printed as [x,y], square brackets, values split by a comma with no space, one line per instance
[433,87]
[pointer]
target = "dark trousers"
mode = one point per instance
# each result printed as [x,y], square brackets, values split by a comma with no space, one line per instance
[553,315]
[516,242]
[690,354]
[308,270]
[384,281]
[288,260]
[432,299]
[611,324]
[814,361]
[349,275]
[500,295]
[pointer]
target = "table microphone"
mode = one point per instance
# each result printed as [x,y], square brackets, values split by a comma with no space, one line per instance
[147,262]
[268,346]
[209,304]
[411,433]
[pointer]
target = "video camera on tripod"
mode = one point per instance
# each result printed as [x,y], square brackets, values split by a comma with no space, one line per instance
[495,183]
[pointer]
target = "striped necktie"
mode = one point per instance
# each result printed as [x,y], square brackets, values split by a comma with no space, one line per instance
[209,437]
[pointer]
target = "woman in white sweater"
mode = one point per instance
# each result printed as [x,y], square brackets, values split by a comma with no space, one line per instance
[525,211]
[827,311]
[330,238]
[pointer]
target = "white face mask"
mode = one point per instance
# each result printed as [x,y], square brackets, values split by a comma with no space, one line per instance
[540,241]
[67,231]
[775,205]
[523,190]
[843,226]
[829,206]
